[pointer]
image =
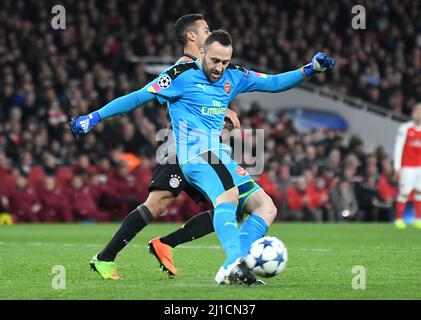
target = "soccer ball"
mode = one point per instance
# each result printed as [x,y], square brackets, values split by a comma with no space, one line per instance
[268,257]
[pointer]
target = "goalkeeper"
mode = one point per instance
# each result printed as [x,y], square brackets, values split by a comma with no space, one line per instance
[207,165]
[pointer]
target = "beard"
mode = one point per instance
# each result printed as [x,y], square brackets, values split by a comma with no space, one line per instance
[210,74]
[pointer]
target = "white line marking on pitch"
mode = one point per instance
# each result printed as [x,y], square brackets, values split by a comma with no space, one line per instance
[213,247]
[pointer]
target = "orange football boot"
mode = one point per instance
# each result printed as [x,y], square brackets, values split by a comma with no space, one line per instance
[162,253]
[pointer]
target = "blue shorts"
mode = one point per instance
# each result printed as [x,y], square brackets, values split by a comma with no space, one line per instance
[243,198]
[215,172]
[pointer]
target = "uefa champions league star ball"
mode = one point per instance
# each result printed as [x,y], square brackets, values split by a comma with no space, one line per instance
[268,257]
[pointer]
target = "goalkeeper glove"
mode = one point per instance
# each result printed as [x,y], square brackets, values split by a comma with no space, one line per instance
[320,63]
[83,124]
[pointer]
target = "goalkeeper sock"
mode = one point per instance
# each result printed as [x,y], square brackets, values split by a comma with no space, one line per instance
[131,225]
[253,228]
[195,228]
[225,225]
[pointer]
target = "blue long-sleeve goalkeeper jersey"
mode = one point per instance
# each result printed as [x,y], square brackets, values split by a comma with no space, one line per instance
[197,106]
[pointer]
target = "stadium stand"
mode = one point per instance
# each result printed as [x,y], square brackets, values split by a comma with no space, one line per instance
[49,75]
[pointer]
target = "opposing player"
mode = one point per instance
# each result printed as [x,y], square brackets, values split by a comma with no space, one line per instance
[407,165]
[198,94]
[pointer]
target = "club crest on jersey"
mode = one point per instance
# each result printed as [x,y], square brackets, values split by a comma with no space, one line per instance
[175,181]
[227,87]
[241,171]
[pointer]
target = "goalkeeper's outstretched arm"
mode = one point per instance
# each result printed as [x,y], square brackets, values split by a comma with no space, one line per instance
[127,103]
[255,81]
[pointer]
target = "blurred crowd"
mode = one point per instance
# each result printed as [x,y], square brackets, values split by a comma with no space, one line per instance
[316,176]
[47,76]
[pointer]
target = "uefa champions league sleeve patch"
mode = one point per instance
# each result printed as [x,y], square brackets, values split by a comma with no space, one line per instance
[164,82]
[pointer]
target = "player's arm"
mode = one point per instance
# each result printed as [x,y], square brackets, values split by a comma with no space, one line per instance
[233,121]
[84,124]
[398,149]
[158,88]
[255,81]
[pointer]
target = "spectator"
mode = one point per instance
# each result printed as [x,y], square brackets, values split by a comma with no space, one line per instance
[344,202]
[49,76]
[308,160]
[24,202]
[122,191]
[366,195]
[387,190]
[298,201]
[5,216]
[320,201]
[55,205]
[83,206]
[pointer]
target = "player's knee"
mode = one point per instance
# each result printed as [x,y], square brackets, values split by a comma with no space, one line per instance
[267,210]
[261,204]
[158,201]
[228,196]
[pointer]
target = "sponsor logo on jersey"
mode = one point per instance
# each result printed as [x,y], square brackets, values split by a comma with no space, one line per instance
[210,111]
[415,143]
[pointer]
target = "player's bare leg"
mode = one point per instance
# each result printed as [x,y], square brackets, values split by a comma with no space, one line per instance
[259,203]
[158,201]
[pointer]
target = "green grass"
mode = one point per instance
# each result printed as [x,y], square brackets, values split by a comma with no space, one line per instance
[321,258]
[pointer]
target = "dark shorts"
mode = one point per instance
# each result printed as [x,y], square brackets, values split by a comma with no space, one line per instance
[169,177]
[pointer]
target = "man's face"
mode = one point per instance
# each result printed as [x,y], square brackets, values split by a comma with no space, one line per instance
[50,183]
[21,182]
[215,60]
[301,184]
[203,32]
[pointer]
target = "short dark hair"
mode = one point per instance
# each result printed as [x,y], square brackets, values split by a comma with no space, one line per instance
[185,24]
[220,36]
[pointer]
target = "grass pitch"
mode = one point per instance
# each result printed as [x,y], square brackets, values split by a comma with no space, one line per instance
[320,264]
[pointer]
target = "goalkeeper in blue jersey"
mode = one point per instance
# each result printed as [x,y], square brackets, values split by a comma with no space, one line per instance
[198,94]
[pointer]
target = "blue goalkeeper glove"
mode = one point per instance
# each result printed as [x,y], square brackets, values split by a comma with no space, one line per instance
[83,124]
[320,63]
